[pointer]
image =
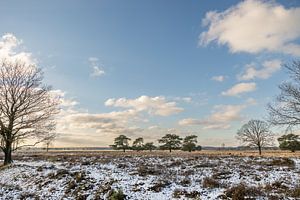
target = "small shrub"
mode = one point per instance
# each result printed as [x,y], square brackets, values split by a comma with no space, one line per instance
[71,186]
[157,187]
[209,182]
[295,192]
[177,193]
[116,195]
[185,182]
[39,169]
[144,171]
[240,192]
[222,175]
[282,162]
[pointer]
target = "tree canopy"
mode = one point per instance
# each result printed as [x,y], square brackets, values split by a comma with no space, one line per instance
[170,142]
[289,142]
[189,143]
[121,142]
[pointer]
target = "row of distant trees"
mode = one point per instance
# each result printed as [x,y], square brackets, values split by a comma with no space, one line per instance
[168,142]
[255,133]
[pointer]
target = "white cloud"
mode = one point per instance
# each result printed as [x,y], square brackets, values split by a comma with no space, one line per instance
[11,50]
[218,78]
[221,116]
[82,128]
[74,124]
[268,68]
[254,26]
[153,105]
[183,99]
[65,102]
[96,67]
[239,89]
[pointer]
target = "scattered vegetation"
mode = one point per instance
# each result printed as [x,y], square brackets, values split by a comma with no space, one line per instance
[116,195]
[241,191]
[209,182]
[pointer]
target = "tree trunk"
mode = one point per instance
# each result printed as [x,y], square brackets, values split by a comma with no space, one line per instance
[7,155]
[124,150]
[170,150]
[259,150]
[47,148]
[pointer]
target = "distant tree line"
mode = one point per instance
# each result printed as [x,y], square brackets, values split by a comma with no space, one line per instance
[168,142]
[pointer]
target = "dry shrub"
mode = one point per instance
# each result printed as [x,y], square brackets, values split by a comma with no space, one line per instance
[295,192]
[28,195]
[209,182]
[241,191]
[160,185]
[145,171]
[222,175]
[282,162]
[185,182]
[177,193]
[116,195]
[61,172]
[205,165]
[176,163]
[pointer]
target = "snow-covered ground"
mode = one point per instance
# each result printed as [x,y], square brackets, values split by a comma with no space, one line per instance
[151,177]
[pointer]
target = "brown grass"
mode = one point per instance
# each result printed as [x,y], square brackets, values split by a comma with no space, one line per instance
[105,155]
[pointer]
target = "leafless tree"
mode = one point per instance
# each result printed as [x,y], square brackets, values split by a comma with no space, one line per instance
[285,110]
[49,139]
[256,133]
[27,107]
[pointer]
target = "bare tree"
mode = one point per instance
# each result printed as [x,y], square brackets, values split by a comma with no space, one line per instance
[27,107]
[285,110]
[256,133]
[49,139]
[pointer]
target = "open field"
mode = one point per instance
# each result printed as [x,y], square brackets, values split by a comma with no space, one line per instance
[156,175]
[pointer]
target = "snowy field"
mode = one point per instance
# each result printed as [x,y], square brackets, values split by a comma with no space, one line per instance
[150,176]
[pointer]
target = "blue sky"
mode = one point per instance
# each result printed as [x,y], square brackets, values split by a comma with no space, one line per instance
[201,67]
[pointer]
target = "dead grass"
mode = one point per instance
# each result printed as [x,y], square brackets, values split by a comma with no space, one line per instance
[106,156]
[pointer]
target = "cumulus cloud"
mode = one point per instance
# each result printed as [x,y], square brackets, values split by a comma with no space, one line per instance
[267,69]
[104,126]
[221,116]
[254,26]
[153,105]
[239,89]
[11,49]
[65,102]
[96,67]
[218,78]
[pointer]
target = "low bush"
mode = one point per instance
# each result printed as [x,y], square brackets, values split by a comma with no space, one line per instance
[241,191]
[116,195]
[209,182]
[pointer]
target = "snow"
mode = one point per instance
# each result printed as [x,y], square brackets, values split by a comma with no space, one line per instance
[88,177]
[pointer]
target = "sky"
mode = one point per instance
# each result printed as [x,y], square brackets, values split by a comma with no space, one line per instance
[148,68]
